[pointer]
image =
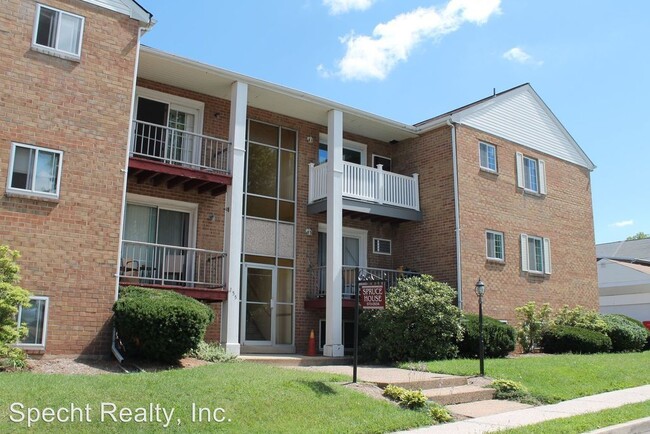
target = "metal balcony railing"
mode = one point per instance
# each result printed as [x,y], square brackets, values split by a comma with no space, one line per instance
[351,274]
[159,264]
[178,147]
[368,184]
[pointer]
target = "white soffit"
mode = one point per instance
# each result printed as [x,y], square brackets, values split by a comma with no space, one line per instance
[522,117]
[176,71]
[126,7]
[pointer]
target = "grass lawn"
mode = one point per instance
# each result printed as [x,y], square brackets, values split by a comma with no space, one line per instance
[255,398]
[588,422]
[553,378]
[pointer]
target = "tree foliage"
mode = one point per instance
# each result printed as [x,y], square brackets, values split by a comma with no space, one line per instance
[532,323]
[638,236]
[12,296]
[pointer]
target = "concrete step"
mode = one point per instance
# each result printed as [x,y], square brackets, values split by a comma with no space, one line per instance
[458,394]
[295,360]
[416,383]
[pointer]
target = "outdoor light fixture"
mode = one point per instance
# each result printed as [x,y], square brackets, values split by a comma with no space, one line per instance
[479,288]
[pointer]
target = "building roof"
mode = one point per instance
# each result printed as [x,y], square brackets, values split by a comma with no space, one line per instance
[520,116]
[629,251]
[127,7]
[517,114]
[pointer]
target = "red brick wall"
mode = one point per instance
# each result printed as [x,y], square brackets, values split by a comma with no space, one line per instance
[564,215]
[69,247]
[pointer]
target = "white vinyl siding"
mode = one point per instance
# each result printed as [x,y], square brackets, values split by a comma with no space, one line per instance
[535,254]
[531,174]
[494,245]
[34,171]
[488,157]
[57,32]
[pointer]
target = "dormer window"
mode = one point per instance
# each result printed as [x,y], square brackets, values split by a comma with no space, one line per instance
[57,32]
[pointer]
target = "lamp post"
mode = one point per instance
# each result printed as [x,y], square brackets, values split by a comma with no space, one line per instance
[480,291]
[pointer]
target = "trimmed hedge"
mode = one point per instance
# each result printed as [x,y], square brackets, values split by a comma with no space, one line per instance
[627,334]
[498,338]
[567,339]
[158,324]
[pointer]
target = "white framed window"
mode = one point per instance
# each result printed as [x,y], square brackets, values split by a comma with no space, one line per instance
[531,174]
[535,254]
[381,246]
[34,318]
[495,249]
[57,32]
[34,170]
[488,157]
[386,162]
[353,152]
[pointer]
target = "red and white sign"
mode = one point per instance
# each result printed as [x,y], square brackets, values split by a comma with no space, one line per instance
[372,295]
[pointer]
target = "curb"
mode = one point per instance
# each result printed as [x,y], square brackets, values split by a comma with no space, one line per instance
[638,426]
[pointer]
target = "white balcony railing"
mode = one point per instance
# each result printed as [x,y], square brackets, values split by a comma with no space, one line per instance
[368,184]
[178,147]
[351,274]
[159,264]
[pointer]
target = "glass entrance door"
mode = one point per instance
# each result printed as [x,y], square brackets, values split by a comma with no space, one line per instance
[259,290]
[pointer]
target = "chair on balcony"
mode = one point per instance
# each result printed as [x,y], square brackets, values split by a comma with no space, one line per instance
[129,270]
[174,268]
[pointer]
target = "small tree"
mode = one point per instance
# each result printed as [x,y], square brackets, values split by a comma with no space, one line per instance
[11,297]
[580,317]
[532,324]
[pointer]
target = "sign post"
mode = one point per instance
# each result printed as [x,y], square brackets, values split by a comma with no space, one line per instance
[369,294]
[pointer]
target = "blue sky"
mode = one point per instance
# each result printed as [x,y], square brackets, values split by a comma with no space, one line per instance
[588,60]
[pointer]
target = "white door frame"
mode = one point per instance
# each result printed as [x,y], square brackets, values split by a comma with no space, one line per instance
[360,234]
[244,301]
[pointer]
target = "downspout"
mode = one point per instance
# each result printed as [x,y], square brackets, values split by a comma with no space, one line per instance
[454,156]
[125,170]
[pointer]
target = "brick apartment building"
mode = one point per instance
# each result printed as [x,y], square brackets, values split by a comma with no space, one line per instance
[123,164]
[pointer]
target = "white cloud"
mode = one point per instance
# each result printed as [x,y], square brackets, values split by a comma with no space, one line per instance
[373,57]
[518,55]
[623,223]
[342,6]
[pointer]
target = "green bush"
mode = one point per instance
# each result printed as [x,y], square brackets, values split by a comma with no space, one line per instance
[498,338]
[580,317]
[411,399]
[567,339]
[420,322]
[532,323]
[211,352]
[627,334]
[439,414]
[512,391]
[159,325]
[12,297]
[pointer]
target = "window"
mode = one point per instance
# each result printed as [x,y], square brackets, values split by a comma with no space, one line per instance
[57,32]
[384,161]
[535,254]
[494,242]
[34,170]
[531,174]
[488,157]
[34,318]
[381,246]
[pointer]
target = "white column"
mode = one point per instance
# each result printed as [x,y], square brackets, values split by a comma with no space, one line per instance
[334,306]
[233,221]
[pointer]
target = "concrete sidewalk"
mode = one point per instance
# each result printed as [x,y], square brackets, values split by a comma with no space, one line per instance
[513,419]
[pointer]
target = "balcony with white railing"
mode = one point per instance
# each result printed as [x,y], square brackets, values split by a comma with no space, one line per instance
[198,273]
[349,277]
[369,186]
[168,155]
